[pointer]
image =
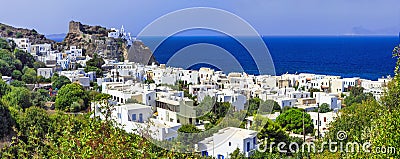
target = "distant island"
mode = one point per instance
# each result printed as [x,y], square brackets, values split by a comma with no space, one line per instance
[56,37]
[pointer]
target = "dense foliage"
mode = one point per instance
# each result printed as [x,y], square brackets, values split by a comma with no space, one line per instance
[39,133]
[370,121]
[19,97]
[323,108]
[6,121]
[59,81]
[94,65]
[357,95]
[72,98]
[292,120]
[14,60]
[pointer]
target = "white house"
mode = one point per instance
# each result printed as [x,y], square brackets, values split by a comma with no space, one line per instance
[22,44]
[45,72]
[337,86]
[227,140]
[286,102]
[331,100]
[237,100]
[194,89]
[137,119]
[172,106]
[351,82]
[73,53]
[133,112]
[189,76]
[121,93]
[6,79]
[205,75]
[40,49]
[324,120]
[250,119]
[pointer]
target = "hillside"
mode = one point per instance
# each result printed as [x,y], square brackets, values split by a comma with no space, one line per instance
[94,39]
[33,35]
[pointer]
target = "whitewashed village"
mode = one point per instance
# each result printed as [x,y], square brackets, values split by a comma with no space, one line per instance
[162,99]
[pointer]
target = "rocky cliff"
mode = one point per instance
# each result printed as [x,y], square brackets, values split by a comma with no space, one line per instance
[88,38]
[94,39]
[140,53]
[33,35]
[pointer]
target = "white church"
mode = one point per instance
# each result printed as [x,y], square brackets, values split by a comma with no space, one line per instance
[115,33]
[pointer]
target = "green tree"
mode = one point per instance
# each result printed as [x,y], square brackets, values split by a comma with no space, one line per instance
[16,75]
[69,94]
[292,120]
[312,90]
[99,72]
[5,68]
[29,76]
[39,64]
[367,120]
[26,58]
[41,79]
[19,97]
[323,108]
[19,35]
[34,119]
[253,105]
[204,106]
[268,107]
[385,134]
[6,121]
[59,81]
[189,128]
[4,44]
[54,77]
[357,95]
[17,83]
[96,61]
[40,97]
[389,99]
[269,131]
[4,88]
[149,81]
[237,154]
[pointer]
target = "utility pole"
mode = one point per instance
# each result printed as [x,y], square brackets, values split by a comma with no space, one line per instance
[304,130]
[94,108]
[318,121]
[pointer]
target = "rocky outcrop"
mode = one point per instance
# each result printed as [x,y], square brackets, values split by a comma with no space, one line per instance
[94,39]
[33,35]
[75,27]
[140,53]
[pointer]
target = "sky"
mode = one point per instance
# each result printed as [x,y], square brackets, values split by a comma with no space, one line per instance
[268,17]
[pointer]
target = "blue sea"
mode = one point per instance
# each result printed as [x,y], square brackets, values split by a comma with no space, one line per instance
[367,57]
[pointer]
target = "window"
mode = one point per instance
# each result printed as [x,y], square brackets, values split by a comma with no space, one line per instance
[204,153]
[254,141]
[324,119]
[141,117]
[248,147]
[229,143]
[119,115]
[133,117]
